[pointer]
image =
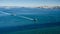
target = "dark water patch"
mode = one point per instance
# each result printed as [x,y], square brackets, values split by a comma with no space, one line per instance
[28,27]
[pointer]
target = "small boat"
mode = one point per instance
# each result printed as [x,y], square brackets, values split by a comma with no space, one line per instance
[13,14]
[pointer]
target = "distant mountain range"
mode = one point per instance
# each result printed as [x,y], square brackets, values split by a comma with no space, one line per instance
[47,7]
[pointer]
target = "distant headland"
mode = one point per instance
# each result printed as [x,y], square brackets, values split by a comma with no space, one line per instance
[49,7]
[45,7]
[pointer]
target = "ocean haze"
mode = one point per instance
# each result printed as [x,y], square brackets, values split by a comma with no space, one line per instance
[29,3]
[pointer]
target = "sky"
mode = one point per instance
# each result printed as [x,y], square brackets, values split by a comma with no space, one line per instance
[29,3]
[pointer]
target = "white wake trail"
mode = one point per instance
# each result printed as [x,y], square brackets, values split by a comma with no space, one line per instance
[5,13]
[26,17]
[16,15]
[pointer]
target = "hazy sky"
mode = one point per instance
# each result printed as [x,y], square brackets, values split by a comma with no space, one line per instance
[29,2]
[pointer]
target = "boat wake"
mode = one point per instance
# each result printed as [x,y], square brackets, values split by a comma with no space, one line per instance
[5,13]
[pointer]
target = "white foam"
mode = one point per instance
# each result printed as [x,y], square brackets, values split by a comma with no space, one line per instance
[26,17]
[16,15]
[5,13]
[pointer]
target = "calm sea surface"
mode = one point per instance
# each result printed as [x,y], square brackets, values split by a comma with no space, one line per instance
[48,20]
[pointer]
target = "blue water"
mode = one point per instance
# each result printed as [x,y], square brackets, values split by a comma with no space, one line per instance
[46,18]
